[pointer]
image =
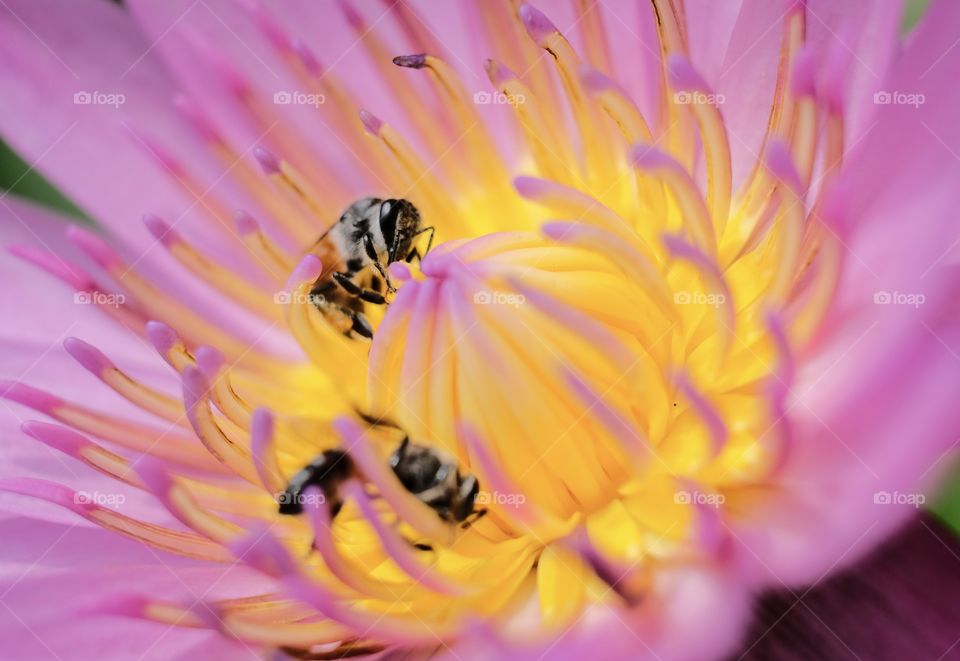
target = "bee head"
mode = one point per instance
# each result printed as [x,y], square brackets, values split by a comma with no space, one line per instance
[399,224]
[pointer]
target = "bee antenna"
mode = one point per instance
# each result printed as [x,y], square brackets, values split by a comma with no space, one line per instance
[375,421]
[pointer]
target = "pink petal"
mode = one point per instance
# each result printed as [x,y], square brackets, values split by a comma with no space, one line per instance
[44,610]
[34,353]
[873,409]
[81,147]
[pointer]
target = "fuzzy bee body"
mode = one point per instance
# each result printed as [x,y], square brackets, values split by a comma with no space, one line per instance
[356,252]
[328,471]
[428,473]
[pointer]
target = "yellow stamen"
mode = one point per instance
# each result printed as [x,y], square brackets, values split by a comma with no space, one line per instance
[551,154]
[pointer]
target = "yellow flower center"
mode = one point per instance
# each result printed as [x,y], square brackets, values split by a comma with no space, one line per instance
[601,344]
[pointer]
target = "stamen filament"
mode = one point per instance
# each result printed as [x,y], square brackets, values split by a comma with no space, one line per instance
[181,504]
[551,154]
[696,217]
[196,392]
[713,135]
[186,544]
[230,283]
[272,258]
[140,395]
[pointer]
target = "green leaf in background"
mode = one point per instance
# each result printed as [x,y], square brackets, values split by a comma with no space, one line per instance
[913,11]
[947,504]
[17,177]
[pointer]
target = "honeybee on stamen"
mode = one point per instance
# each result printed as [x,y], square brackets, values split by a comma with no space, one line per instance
[356,253]
[429,473]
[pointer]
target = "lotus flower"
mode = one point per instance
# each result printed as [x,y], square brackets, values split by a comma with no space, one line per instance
[689,318]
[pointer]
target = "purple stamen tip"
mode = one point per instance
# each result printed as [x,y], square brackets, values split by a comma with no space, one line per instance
[498,73]
[780,163]
[161,336]
[530,187]
[124,605]
[49,491]
[400,271]
[261,425]
[351,14]
[307,58]
[55,266]
[371,122]
[211,614]
[222,67]
[160,229]
[555,230]
[678,247]
[93,245]
[594,80]
[308,269]
[803,74]
[646,157]
[245,223]
[834,80]
[60,438]
[268,26]
[154,474]
[538,26]
[261,550]
[683,77]
[195,386]
[92,359]
[30,397]
[834,210]
[154,150]
[267,160]
[417,61]
[210,361]
[192,114]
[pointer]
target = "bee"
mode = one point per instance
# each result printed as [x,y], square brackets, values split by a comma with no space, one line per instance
[356,252]
[429,473]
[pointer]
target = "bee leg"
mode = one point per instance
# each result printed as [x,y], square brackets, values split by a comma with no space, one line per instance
[360,325]
[415,253]
[432,231]
[477,515]
[404,444]
[354,289]
[375,258]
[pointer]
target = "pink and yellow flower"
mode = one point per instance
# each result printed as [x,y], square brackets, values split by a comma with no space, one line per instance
[689,317]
